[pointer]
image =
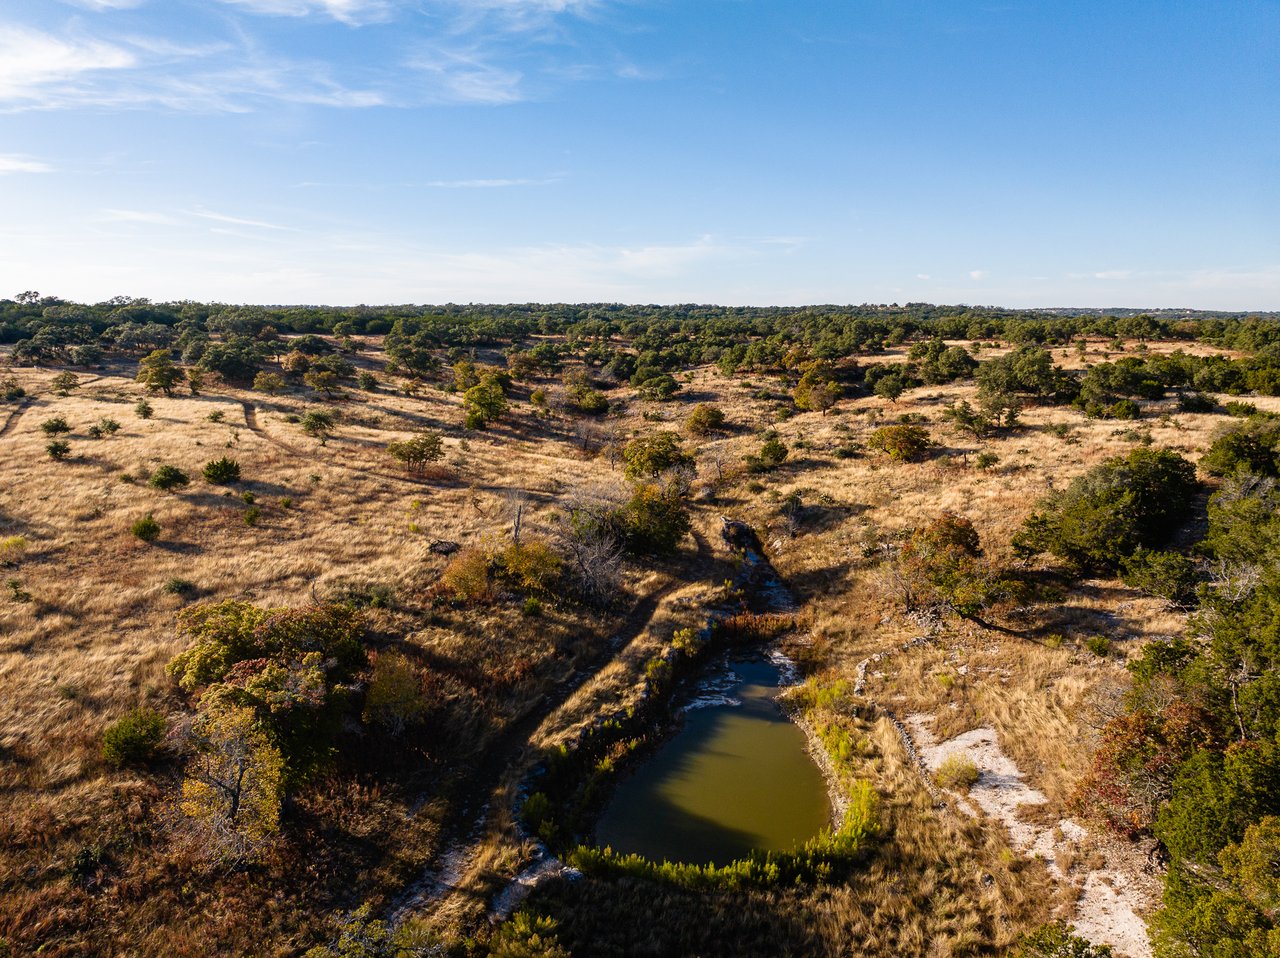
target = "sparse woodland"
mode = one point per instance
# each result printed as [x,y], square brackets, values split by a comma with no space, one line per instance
[297,600]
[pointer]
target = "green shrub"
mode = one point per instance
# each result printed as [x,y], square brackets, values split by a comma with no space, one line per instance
[531,565]
[986,461]
[1168,575]
[1196,402]
[417,453]
[1124,409]
[527,935]
[649,456]
[1241,410]
[901,443]
[168,477]
[221,472]
[58,449]
[957,770]
[133,739]
[1250,446]
[1099,645]
[252,515]
[55,426]
[271,383]
[705,419]
[10,391]
[143,409]
[179,586]
[655,520]
[13,549]
[146,528]
[586,400]
[1058,940]
[532,607]
[1114,509]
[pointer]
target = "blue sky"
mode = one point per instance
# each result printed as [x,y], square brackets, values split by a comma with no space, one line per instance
[727,151]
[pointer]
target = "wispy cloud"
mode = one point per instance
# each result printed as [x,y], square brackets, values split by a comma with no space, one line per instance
[977,275]
[350,12]
[238,220]
[101,5]
[17,163]
[484,184]
[42,71]
[32,62]
[465,75]
[136,216]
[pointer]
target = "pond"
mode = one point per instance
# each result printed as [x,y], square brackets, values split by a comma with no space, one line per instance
[734,778]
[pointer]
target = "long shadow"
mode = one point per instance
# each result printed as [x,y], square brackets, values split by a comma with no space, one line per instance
[820,580]
[664,831]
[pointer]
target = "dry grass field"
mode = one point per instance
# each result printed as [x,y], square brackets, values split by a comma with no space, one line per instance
[88,616]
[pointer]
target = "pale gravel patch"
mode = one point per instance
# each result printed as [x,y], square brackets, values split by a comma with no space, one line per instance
[1107,908]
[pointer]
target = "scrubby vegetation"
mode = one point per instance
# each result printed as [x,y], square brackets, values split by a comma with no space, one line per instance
[434,547]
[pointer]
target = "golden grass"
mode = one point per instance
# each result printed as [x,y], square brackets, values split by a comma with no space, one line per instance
[93,641]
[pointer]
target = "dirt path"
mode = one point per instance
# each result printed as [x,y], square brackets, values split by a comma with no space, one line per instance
[15,415]
[510,758]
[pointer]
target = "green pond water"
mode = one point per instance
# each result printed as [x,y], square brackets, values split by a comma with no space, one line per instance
[735,777]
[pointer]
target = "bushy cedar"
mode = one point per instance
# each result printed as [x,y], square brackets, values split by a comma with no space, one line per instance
[1167,575]
[903,443]
[650,456]
[655,519]
[585,399]
[55,426]
[133,739]
[168,477]
[1251,447]
[1193,758]
[147,528]
[773,453]
[1114,509]
[222,471]
[318,423]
